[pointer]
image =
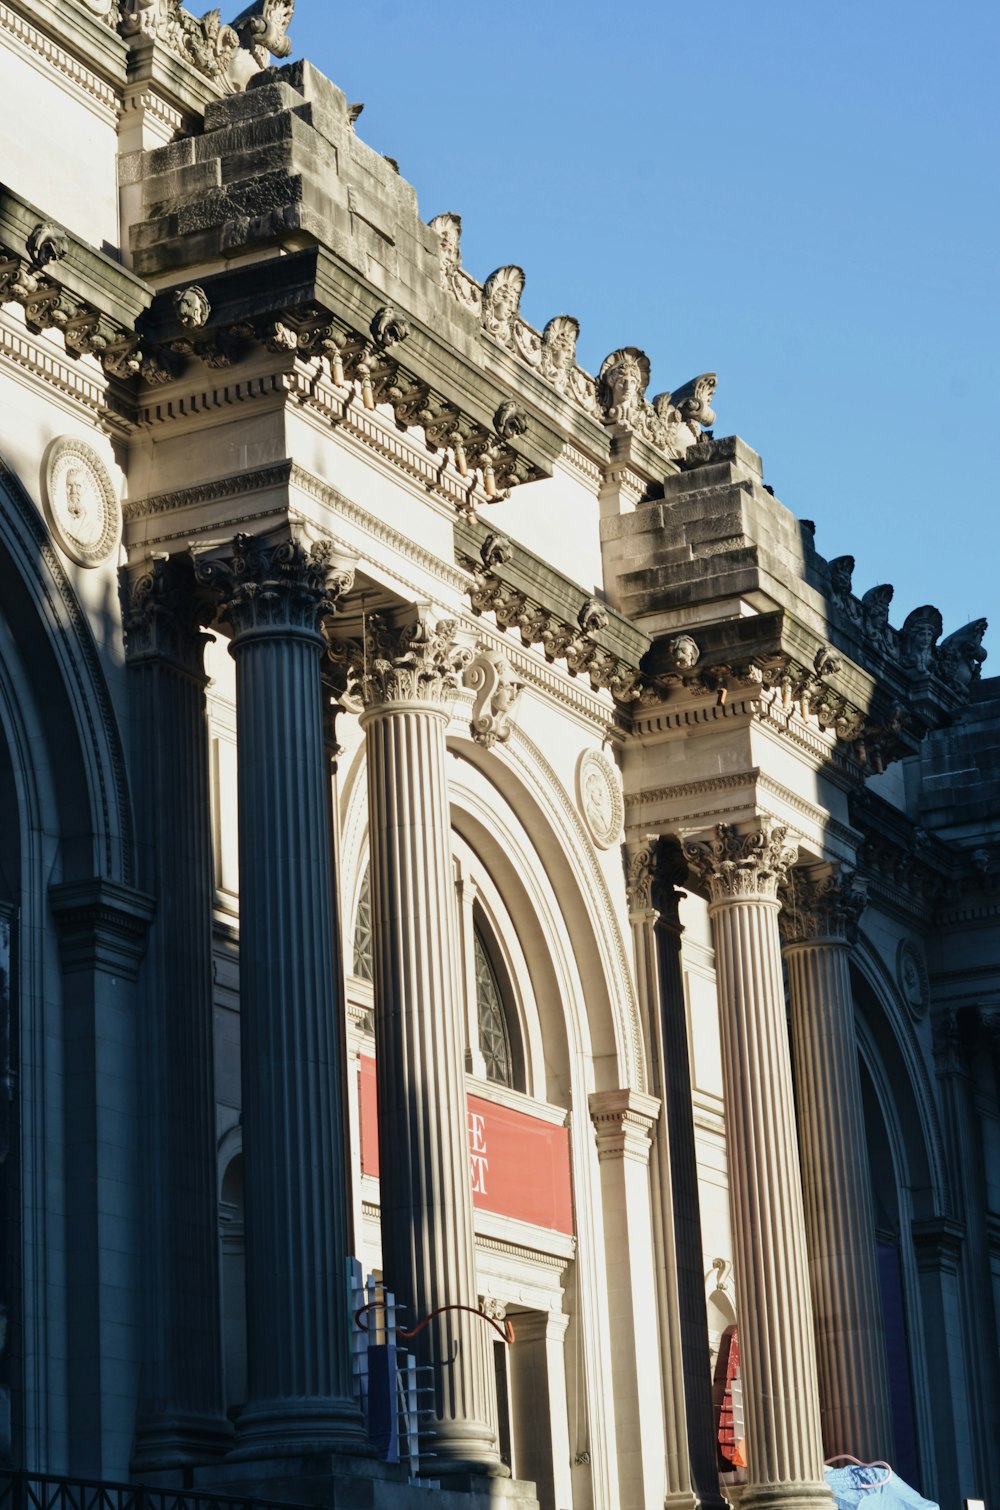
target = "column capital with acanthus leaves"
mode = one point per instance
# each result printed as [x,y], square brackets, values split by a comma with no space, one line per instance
[743,864]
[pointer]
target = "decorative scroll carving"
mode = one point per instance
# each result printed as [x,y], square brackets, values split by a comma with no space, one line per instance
[48,306]
[825,907]
[488,676]
[693,401]
[640,873]
[208,45]
[738,866]
[501,304]
[263,585]
[418,661]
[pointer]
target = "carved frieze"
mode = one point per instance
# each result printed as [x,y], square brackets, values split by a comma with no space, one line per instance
[742,865]
[826,907]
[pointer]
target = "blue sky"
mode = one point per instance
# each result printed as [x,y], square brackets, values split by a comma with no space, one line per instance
[800,196]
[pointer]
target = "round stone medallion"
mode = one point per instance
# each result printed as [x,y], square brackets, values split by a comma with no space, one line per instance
[82,502]
[599,795]
[911,973]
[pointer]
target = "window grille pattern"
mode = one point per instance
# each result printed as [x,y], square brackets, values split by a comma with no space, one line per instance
[494,1040]
[364,954]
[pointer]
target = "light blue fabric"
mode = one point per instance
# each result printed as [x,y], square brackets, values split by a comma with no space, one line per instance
[859,1489]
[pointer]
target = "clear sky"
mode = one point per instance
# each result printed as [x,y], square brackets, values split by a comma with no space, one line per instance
[799,195]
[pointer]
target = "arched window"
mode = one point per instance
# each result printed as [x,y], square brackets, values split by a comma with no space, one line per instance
[364,954]
[494,1036]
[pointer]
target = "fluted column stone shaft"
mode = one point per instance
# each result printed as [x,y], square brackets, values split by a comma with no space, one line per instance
[818,919]
[298,1355]
[426,1199]
[741,872]
[690,1474]
[182,1411]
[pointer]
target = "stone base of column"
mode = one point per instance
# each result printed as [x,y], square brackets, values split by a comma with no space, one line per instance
[686,1500]
[808,1496]
[325,1479]
[283,1429]
[175,1440]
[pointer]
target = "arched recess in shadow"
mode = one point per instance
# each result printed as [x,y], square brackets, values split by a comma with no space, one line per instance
[65,818]
[907,1181]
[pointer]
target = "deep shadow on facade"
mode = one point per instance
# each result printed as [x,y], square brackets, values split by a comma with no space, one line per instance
[452,817]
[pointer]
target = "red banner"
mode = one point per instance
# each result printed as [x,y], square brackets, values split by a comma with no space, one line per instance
[518,1164]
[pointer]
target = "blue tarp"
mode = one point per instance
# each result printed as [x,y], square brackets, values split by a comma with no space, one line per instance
[859,1489]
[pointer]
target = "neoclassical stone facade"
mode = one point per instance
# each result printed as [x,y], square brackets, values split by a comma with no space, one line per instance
[454,820]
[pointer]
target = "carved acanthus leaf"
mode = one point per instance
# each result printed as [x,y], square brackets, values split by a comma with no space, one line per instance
[742,865]
[825,907]
[418,660]
[263,584]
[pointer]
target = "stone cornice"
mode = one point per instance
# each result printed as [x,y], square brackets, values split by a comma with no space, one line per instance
[63,284]
[341,332]
[551,611]
[77,43]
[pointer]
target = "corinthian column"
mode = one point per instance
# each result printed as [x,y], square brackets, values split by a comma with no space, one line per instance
[741,872]
[409,673]
[182,1412]
[298,1361]
[819,922]
[690,1474]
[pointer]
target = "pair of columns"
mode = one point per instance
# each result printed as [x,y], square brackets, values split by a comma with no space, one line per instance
[803,1235]
[275,599]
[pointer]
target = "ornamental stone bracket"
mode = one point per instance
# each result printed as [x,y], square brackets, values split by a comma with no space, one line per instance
[64,285]
[551,612]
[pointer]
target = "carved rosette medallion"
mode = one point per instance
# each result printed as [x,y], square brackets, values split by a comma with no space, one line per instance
[284,588]
[827,908]
[736,866]
[82,502]
[419,661]
[911,973]
[599,796]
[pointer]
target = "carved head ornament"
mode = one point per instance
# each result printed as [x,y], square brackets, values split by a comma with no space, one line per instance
[920,633]
[960,657]
[622,383]
[502,301]
[448,228]
[558,352]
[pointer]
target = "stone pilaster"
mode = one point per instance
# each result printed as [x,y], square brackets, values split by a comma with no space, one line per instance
[182,1412]
[741,872]
[818,923]
[690,1474]
[408,674]
[624,1122]
[274,597]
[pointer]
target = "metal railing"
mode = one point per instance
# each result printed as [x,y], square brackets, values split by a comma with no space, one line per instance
[35,1491]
